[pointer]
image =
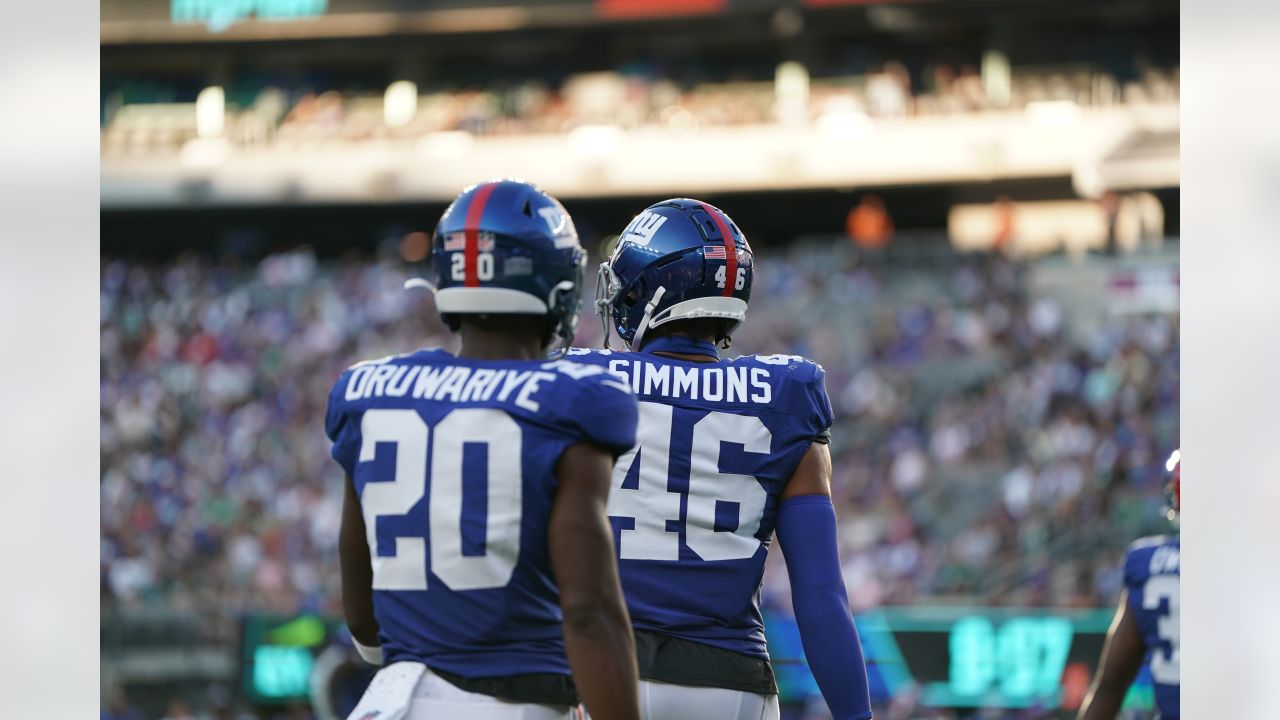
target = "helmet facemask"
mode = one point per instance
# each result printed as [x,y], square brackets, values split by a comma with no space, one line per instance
[608,288]
[563,303]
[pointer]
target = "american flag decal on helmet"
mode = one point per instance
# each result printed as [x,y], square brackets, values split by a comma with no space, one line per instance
[714,253]
[458,241]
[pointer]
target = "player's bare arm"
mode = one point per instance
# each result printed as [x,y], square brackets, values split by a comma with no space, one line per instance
[597,629]
[812,475]
[357,575]
[807,532]
[1122,655]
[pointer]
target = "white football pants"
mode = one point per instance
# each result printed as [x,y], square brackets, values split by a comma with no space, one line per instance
[436,699]
[664,701]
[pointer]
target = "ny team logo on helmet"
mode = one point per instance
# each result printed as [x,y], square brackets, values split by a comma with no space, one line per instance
[680,259]
[507,247]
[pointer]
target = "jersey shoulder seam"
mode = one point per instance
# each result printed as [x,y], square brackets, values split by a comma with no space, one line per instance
[393,357]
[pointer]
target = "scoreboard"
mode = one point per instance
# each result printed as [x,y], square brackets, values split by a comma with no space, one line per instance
[966,657]
[952,656]
[278,653]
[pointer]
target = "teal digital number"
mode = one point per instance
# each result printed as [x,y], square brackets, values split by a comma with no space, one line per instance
[973,659]
[1022,660]
[1032,653]
[1018,649]
[1056,634]
[280,671]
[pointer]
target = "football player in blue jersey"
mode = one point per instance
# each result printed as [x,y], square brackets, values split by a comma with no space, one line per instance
[475,549]
[728,452]
[1146,623]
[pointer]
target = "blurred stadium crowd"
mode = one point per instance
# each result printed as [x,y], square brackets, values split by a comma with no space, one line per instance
[984,450]
[148,117]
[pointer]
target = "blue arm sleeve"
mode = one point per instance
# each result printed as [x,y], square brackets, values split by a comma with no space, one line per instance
[807,531]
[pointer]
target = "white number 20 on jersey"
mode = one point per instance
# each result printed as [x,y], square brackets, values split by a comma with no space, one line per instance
[653,506]
[407,568]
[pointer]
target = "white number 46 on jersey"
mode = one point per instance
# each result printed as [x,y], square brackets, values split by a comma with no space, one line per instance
[652,505]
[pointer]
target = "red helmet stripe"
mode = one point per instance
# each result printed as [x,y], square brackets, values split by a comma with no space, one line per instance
[730,250]
[471,228]
[1177,486]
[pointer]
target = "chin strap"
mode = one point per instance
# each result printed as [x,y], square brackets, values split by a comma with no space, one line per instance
[565,325]
[638,339]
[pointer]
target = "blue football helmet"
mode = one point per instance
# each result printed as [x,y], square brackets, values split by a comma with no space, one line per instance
[680,259]
[506,247]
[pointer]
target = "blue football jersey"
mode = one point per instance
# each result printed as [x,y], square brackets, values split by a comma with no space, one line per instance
[693,505]
[453,460]
[1151,572]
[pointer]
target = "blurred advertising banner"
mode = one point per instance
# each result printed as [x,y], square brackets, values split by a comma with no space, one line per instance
[612,9]
[152,20]
[182,21]
[197,10]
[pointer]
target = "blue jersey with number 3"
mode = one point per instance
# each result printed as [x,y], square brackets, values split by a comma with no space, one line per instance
[1151,575]
[693,506]
[453,460]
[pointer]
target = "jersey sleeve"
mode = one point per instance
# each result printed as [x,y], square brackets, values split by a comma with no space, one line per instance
[816,393]
[1137,560]
[341,427]
[808,397]
[604,411]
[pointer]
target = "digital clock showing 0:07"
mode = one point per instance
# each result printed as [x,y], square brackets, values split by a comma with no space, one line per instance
[969,657]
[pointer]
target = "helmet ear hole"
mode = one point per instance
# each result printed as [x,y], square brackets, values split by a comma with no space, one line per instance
[631,298]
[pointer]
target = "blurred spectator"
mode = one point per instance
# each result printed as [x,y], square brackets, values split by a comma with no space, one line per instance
[1149,213]
[117,707]
[968,86]
[178,711]
[869,224]
[1004,216]
[888,90]
[1110,204]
